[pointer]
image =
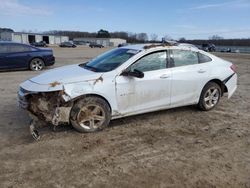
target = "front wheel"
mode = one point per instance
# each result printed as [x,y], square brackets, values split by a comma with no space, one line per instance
[210,96]
[90,114]
[36,64]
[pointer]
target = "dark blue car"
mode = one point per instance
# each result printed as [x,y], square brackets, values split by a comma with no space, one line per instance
[23,56]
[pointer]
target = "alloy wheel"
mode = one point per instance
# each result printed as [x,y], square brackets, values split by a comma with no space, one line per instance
[211,97]
[91,117]
[36,64]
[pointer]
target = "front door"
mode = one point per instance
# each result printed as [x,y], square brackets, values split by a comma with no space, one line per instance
[135,95]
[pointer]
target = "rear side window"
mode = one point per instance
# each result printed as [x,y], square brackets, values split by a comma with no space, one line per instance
[183,58]
[203,58]
[18,48]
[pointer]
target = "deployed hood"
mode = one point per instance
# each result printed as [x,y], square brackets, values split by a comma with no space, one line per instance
[65,75]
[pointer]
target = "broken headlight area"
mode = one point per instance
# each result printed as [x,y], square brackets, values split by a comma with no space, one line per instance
[46,106]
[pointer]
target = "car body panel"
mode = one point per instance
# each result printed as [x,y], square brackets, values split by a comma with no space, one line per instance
[95,45]
[136,94]
[126,95]
[21,60]
[17,60]
[66,74]
[231,85]
[67,44]
[39,44]
[187,83]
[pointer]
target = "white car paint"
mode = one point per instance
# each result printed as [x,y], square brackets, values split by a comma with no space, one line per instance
[158,89]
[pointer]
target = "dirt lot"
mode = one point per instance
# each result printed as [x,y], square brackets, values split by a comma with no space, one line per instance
[181,147]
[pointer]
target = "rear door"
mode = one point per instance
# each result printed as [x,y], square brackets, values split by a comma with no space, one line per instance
[189,75]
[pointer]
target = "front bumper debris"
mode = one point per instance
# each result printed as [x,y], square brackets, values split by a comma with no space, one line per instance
[48,107]
[33,131]
[22,101]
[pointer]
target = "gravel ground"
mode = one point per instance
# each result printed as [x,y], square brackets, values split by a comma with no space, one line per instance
[181,147]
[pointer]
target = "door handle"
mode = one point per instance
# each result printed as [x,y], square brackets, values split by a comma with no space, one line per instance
[201,71]
[164,76]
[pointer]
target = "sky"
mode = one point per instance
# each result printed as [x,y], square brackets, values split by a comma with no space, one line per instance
[192,19]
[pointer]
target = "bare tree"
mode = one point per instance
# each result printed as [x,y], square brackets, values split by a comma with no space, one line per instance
[182,39]
[142,37]
[167,37]
[215,37]
[153,37]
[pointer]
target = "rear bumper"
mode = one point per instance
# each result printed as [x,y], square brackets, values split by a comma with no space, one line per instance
[231,84]
[50,61]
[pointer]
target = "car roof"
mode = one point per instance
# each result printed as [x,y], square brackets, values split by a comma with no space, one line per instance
[143,47]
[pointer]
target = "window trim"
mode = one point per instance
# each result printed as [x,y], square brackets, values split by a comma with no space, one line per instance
[204,55]
[167,55]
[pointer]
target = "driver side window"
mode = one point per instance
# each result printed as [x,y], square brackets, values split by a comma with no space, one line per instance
[151,62]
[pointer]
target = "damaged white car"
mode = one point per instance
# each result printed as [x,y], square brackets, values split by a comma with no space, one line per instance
[127,81]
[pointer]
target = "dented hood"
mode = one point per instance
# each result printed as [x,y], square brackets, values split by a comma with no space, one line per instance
[65,75]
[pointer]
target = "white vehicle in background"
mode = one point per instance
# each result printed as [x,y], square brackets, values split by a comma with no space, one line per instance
[127,81]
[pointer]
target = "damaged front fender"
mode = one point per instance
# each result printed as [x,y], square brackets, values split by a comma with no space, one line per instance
[53,102]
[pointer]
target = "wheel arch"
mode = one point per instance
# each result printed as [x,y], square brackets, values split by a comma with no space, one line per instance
[220,83]
[93,95]
[33,57]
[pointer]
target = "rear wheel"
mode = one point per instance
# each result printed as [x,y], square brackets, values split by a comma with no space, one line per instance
[36,64]
[210,96]
[90,114]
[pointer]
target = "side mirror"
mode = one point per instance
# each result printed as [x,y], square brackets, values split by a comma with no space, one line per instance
[136,73]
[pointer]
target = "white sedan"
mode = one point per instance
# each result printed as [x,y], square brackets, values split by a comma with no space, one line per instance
[127,81]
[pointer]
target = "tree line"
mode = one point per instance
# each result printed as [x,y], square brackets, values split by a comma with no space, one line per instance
[128,36]
[131,37]
[220,42]
[143,37]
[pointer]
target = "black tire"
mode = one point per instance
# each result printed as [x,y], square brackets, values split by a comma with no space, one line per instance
[36,64]
[207,101]
[83,116]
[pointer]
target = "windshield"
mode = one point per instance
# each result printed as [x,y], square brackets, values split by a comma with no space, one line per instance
[110,60]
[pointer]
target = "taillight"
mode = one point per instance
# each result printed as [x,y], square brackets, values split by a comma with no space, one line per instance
[233,67]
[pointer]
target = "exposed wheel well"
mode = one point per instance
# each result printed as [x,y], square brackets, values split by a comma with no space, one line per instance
[221,84]
[37,57]
[94,95]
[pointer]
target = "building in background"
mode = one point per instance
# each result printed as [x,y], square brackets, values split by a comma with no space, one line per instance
[106,42]
[28,38]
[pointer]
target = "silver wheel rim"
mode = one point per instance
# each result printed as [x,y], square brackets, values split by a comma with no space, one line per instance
[211,97]
[91,117]
[37,64]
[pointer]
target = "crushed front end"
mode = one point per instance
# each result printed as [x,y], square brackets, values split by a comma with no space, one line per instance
[49,107]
